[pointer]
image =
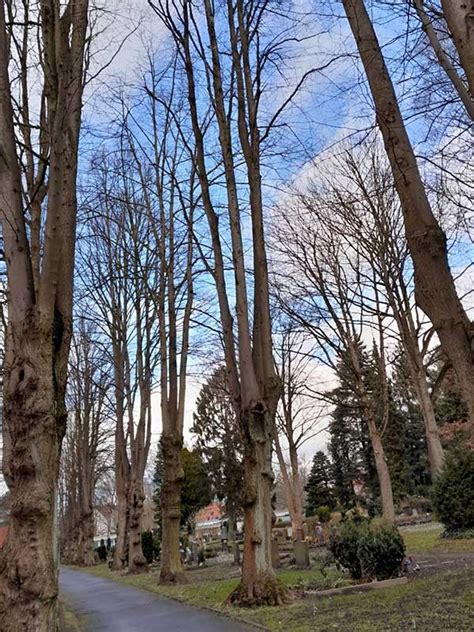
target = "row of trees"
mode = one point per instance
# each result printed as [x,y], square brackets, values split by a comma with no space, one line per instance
[175,199]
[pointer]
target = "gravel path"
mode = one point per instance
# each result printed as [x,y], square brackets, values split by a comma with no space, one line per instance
[108,606]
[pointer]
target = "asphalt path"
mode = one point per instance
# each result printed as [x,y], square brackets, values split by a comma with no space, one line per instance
[107,606]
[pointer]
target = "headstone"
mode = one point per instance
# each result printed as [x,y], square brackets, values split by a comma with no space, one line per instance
[275,554]
[301,552]
[195,552]
[236,553]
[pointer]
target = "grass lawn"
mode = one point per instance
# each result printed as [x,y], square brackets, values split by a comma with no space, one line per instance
[213,593]
[443,602]
[69,621]
[429,541]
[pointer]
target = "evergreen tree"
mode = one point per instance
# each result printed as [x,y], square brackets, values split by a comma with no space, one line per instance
[404,405]
[342,448]
[319,486]
[350,446]
[196,491]
[218,442]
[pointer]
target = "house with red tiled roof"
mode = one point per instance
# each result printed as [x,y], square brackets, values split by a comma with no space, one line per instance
[208,521]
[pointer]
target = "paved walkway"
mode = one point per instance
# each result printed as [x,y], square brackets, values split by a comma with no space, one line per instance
[109,606]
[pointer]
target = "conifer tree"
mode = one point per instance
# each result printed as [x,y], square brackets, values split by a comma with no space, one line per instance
[218,442]
[319,487]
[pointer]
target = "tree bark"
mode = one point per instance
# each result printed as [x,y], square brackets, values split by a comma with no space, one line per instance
[40,317]
[444,61]
[298,533]
[171,569]
[29,562]
[459,15]
[288,484]
[136,560]
[433,442]
[258,585]
[383,474]
[121,544]
[434,285]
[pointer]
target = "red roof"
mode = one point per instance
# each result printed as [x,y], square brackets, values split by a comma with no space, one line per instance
[211,512]
[3,535]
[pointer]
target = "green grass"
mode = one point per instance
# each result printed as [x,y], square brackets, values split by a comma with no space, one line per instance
[213,593]
[443,603]
[70,622]
[429,541]
[440,603]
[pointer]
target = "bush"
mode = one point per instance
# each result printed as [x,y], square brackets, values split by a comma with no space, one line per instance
[453,491]
[368,549]
[324,513]
[344,545]
[147,546]
[150,545]
[381,551]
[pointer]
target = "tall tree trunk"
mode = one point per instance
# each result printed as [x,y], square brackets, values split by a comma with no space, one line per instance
[383,474]
[34,425]
[87,557]
[459,15]
[171,570]
[40,318]
[434,285]
[287,483]
[433,442]
[232,520]
[298,501]
[121,544]
[258,585]
[443,59]
[136,560]
[409,337]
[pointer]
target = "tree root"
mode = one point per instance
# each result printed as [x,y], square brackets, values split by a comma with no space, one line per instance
[267,590]
[168,578]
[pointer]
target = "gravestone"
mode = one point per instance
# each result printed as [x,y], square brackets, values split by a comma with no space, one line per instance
[301,552]
[275,554]
[195,553]
[236,553]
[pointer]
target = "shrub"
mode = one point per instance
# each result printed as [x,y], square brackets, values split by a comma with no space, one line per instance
[381,551]
[324,513]
[368,549]
[453,491]
[344,545]
[147,546]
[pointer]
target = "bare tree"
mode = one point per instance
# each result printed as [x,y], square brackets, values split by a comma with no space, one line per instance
[320,289]
[232,68]
[117,265]
[444,61]
[435,290]
[459,17]
[41,45]
[297,416]
[86,446]
[360,195]
[171,199]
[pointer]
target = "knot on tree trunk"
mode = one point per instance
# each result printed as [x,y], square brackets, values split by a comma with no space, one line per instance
[249,496]
[258,423]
